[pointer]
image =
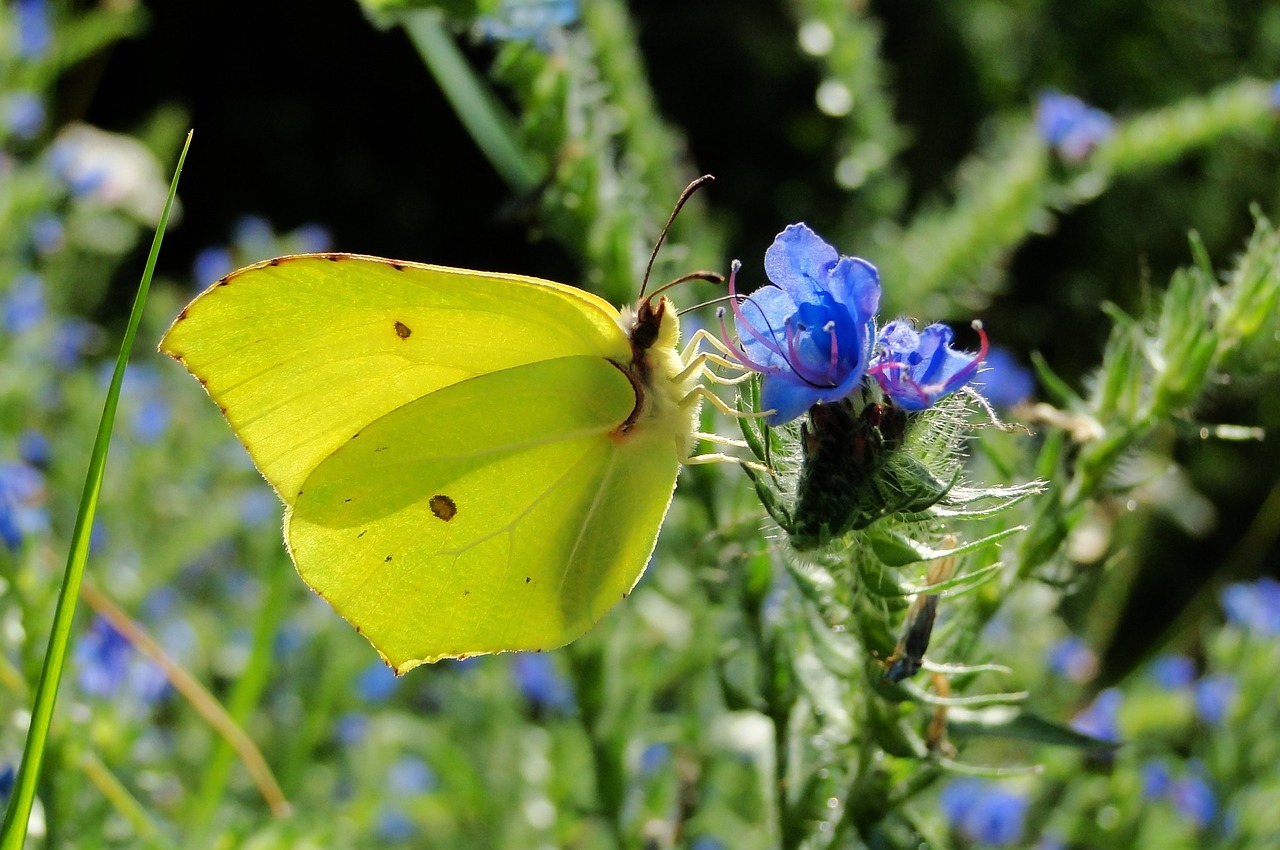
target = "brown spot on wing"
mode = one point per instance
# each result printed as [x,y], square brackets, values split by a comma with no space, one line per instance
[443,507]
[402,330]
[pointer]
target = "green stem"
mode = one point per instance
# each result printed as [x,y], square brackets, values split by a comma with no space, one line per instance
[14,832]
[492,129]
[244,697]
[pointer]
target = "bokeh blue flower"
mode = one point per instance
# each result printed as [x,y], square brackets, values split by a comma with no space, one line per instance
[810,334]
[540,682]
[1072,658]
[34,29]
[1070,125]
[376,682]
[1101,719]
[984,811]
[1254,607]
[1003,380]
[528,20]
[22,510]
[1173,672]
[1215,696]
[24,304]
[1194,798]
[107,665]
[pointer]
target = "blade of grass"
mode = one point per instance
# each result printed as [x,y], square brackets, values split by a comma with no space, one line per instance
[14,832]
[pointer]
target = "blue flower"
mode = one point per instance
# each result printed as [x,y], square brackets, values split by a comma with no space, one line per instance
[254,237]
[1099,720]
[22,114]
[21,503]
[142,393]
[351,728]
[541,683]
[1173,672]
[24,304]
[1254,607]
[35,28]
[7,776]
[410,776]
[1004,381]
[1194,798]
[810,334]
[1215,696]
[312,238]
[528,20]
[34,448]
[377,682]
[1156,780]
[71,339]
[212,264]
[1071,657]
[654,758]
[917,370]
[48,233]
[984,811]
[395,826]
[1070,125]
[108,665]
[1274,95]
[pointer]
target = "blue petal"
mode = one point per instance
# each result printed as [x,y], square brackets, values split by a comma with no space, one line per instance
[788,399]
[855,283]
[799,262]
[767,311]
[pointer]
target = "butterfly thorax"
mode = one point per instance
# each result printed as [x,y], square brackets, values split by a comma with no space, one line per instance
[655,372]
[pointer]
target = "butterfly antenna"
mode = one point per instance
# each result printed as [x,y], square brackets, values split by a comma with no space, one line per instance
[684,196]
[710,277]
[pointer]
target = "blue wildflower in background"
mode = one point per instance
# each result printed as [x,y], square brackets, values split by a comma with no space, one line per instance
[984,811]
[34,448]
[1156,780]
[22,511]
[7,775]
[1070,125]
[34,30]
[22,114]
[1004,381]
[919,369]
[71,339]
[528,20]
[1193,797]
[1254,607]
[811,333]
[376,683]
[1072,658]
[395,826]
[1215,696]
[24,304]
[1173,672]
[541,683]
[107,665]
[410,776]
[1100,719]
[48,233]
[212,264]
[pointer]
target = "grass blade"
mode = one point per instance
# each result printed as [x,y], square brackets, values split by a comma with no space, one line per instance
[13,834]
